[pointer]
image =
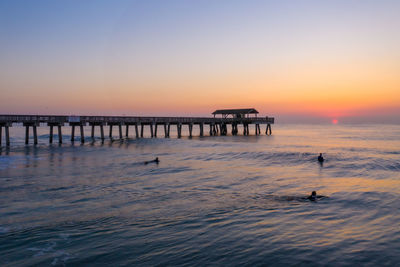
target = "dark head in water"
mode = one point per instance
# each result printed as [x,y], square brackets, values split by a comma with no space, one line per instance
[156,160]
[320,158]
[313,196]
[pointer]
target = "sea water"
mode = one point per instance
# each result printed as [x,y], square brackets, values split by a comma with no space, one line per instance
[219,201]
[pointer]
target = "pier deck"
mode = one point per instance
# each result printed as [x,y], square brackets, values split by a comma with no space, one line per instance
[217,126]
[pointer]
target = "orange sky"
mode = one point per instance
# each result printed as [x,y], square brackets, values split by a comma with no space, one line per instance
[303,59]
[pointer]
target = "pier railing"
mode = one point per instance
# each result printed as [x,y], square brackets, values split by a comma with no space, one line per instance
[127,119]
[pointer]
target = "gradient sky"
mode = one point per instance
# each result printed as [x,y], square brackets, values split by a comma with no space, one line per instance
[294,60]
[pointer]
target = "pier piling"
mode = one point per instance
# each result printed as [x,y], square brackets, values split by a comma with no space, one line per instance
[59,134]
[136,131]
[51,134]
[73,133]
[92,133]
[155,130]
[102,133]
[7,135]
[190,129]
[110,134]
[179,129]
[82,134]
[268,130]
[35,137]
[120,130]
[201,129]
[26,134]
[165,130]
[151,130]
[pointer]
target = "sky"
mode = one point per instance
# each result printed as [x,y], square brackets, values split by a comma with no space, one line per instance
[298,61]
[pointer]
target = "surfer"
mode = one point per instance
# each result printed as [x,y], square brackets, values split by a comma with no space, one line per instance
[156,160]
[320,158]
[314,197]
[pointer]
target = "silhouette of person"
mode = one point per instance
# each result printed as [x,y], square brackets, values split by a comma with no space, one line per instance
[313,196]
[156,160]
[320,158]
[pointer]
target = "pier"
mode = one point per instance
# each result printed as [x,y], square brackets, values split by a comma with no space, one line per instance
[212,126]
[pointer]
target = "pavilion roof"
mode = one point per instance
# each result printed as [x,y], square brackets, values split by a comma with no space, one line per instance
[236,111]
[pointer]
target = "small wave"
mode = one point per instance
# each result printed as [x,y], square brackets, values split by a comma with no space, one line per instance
[9,161]
[170,170]
[392,152]
[59,256]
[4,230]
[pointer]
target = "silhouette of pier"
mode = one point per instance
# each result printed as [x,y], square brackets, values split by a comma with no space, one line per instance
[212,126]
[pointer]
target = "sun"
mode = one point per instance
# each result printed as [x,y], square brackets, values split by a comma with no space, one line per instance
[335,121]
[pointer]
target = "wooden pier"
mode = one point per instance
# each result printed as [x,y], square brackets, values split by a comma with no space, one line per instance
[216,126]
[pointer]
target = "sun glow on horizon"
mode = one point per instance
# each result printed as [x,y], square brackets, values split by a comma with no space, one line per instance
[284,60]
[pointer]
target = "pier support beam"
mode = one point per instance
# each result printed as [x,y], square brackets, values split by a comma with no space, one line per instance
[51,135]
[141,130]
[257,129]
[268,130]
[136,130]
[151,130]
[35,138]
[120,130]
[26,134]
[165,130]
[80,124]
[190,129]
[59,134]
[179,129]
[234,129]
[110,134]
[73,133]
[223,129]
[93,125]
[7,130]
[245,129]
[34,126]
[82,134]
[127,131]
[201,129]
[92,133]
[102,133]
[155,129]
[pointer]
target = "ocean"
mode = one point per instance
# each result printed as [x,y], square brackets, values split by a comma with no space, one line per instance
[210,201]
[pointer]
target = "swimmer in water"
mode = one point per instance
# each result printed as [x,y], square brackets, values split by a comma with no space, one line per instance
[313,196]
[320,158]
[156,160]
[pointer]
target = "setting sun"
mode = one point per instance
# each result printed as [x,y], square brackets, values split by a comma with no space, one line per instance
[335,121]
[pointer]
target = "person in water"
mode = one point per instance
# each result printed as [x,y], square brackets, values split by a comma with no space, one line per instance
[320,158]
[313,196]
[156,160]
